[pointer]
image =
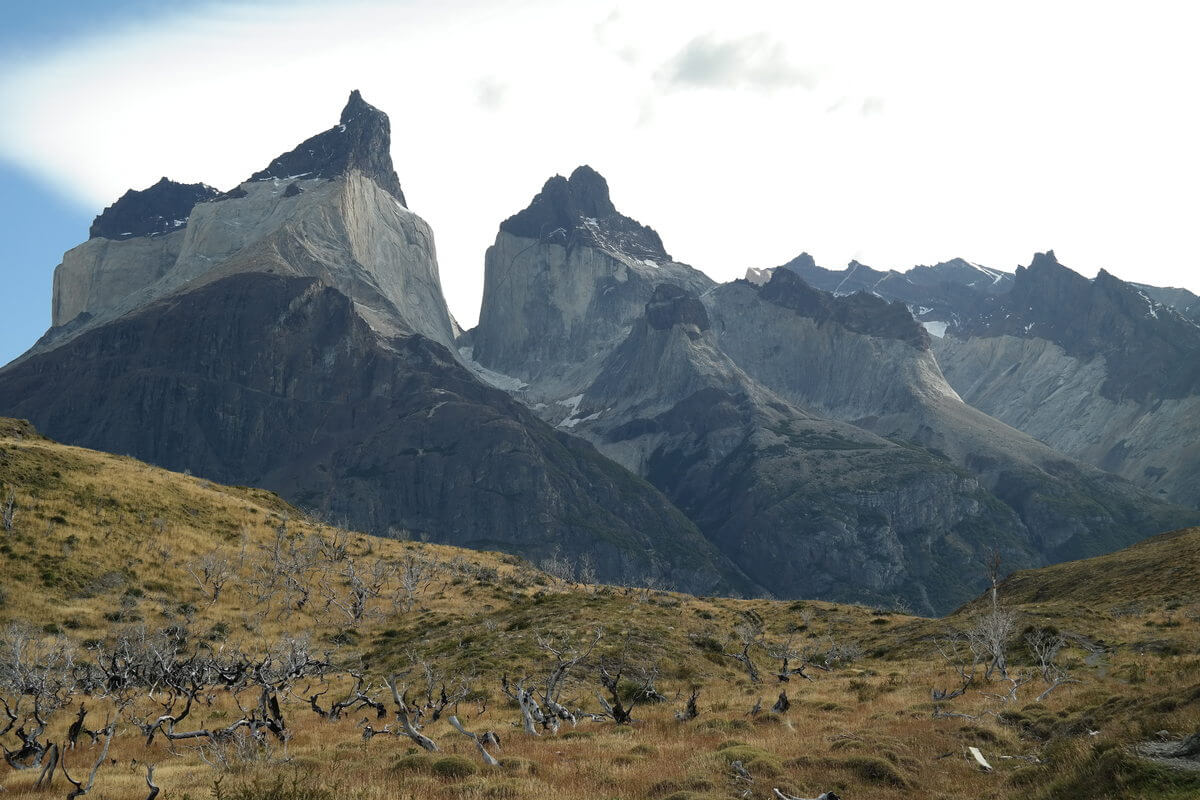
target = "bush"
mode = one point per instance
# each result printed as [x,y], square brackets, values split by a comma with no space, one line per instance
[414,762]
[752,758]
[875,770]
[454,767]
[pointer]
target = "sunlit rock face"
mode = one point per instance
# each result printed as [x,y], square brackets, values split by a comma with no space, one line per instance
[331,209]
[563,283]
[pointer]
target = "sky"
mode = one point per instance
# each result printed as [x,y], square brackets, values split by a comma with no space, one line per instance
[891,133]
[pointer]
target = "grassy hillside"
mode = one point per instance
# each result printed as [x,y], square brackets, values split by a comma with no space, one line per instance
[107,553]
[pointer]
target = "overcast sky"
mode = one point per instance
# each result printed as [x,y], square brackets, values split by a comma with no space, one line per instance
[744,132]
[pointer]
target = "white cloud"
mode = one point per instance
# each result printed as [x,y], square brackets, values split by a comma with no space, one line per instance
[755,61]
[1001,132]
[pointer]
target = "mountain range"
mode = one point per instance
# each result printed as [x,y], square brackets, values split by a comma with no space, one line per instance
[858,436]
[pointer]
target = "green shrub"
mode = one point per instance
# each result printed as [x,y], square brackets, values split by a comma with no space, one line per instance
[414,762]
[758,761]
[454,767]
[875,770]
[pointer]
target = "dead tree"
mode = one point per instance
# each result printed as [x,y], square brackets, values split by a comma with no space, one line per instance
[952,650]
[407,727]
[822,796]
[690,711]
[81,788]
[414,575]
[150,782]
[990,632]
[8,512]
[77,728]
[1045,646]
[211,573]
[358,697]
[531,712]
[486,738]
[50,763]
[749,636]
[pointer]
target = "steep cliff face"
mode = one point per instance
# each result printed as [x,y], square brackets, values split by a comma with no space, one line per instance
[331,209]
[1097,369]
[1036,386]
[806,505]
[1102,370]
[564,282]
[883,379]
[279,382]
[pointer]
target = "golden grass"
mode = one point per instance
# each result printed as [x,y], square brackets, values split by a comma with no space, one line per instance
[103,542]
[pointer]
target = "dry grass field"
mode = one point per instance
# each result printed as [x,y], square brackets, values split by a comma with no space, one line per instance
[105,553]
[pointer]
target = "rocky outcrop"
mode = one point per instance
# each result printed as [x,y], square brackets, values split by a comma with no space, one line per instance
[859,312]
[161,208]
[279,382]
[563,283]
[342,221]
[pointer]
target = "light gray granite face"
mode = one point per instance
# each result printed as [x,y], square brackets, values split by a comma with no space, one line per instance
[1034,385]
[346,231]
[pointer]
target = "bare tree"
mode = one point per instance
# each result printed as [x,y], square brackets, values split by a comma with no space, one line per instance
[407,726]
[558,567]
[8,512]
[211,573]
[1045,646]
[481,740]
[690,711]
[80,787]
[749,635]
[415,573]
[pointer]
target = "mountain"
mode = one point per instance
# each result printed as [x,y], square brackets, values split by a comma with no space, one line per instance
[806,433]
[331,209]
[563,283]
[936,292]
[1096,368]
[1103,370]
[298,342]
[860,359]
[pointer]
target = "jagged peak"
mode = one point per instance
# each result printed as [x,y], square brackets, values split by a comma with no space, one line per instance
[579,211]
[671,305]
[355,107]
[162,207]
[1046,268]
[1044,260]
[802,261]
[361,140]
[786,288]
[859,312]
